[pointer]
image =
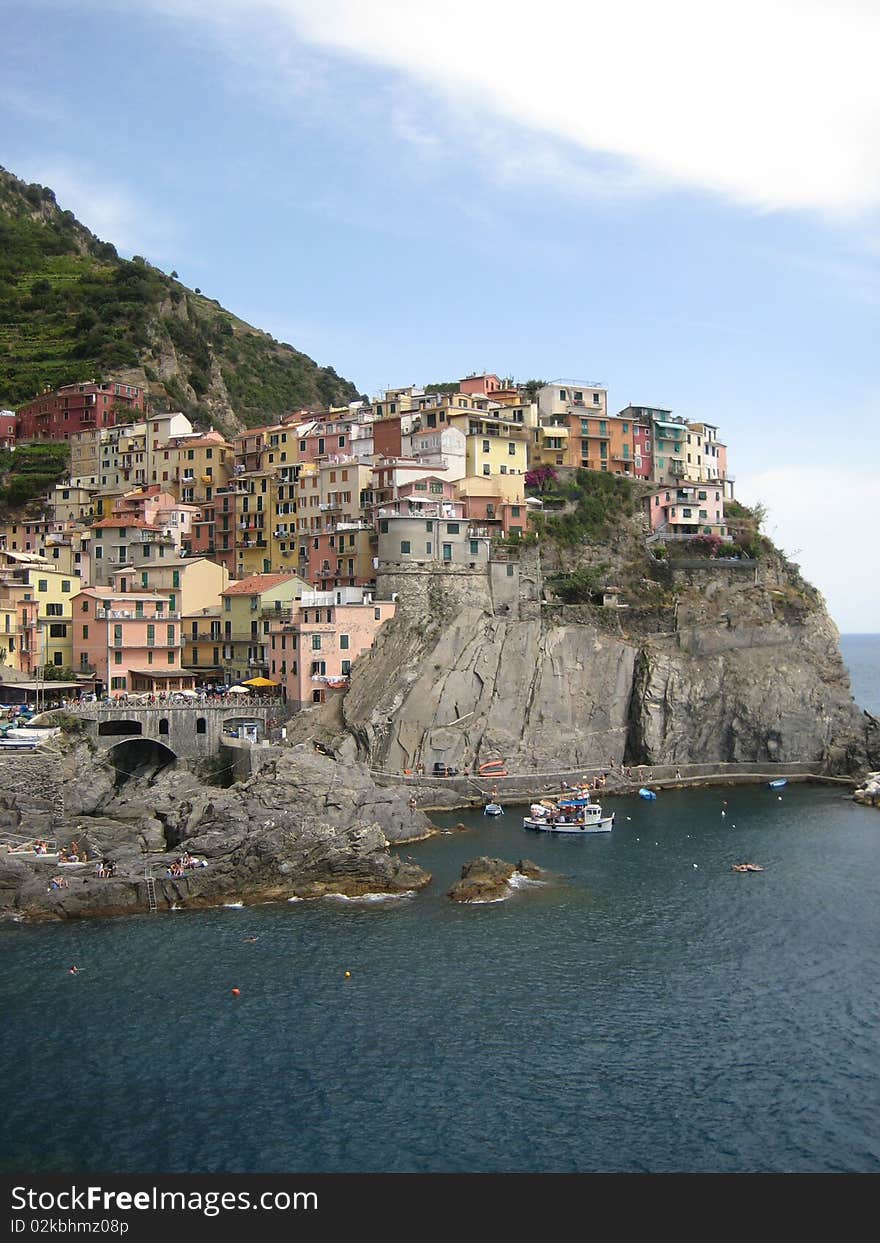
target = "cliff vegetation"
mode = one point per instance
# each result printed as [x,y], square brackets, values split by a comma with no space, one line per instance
[72,309]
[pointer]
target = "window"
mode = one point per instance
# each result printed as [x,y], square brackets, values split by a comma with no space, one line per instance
[65,583]
[343,642]
[201,725]
[54,610]
[85,632]
[170,630]
[447,552]
[117,684]
[485,446]
[151,635]
[509,570]
[511,448]
[562,394]
[42,584]
[487,469]
[377,614]
[452,528]
[117,658]
[404,546]
[346,668]
[58,630]
[316,643]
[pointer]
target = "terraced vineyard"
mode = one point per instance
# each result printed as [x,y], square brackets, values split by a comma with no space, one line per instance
[71,309]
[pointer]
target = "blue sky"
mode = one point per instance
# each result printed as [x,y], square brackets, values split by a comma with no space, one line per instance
[413,191]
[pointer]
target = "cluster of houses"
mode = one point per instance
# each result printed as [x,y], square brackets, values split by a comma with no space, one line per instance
[173,558]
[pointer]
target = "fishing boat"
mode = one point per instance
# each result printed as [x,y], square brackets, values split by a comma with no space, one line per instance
[778,783]
[493,809]
[569,815]
[646,793]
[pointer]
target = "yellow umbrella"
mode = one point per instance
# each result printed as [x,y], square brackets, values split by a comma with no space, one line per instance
[260,682]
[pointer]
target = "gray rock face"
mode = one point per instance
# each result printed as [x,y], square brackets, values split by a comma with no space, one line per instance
[745,671]
[304,826]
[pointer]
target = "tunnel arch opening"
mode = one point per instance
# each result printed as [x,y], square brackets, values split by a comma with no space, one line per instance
[141,758]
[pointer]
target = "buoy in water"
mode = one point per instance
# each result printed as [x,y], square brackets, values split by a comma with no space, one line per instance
[236,992]
[348,975]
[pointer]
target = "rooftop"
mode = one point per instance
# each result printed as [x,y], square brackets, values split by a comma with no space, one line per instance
[256,584]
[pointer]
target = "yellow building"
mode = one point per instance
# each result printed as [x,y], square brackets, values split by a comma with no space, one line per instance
[497,443]
[34,579]
[248,607]
[192,583]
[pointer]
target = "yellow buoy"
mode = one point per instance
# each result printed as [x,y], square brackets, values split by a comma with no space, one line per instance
[348,975]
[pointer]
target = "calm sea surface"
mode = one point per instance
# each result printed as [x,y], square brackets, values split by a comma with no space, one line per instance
[640,1014]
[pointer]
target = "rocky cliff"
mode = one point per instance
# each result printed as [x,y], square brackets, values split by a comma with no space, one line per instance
[305,826]
[711,662]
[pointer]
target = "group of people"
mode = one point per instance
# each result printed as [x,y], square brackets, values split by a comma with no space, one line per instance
[105,868]
[185,863]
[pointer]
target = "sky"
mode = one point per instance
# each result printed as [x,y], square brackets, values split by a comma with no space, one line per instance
[678,201]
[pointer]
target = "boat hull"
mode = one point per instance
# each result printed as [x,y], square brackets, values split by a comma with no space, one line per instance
[605,825]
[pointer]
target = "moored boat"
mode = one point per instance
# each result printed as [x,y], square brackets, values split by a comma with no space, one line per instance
[646,793]
[778,783]
[493,809]
[571,815]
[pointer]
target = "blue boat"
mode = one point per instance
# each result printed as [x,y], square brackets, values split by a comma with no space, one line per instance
[646,793]
[778,783]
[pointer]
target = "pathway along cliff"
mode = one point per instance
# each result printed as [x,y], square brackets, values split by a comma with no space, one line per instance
[723,665]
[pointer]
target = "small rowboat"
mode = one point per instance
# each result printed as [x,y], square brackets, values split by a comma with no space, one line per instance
[646,793]
[778,783]
[493,809]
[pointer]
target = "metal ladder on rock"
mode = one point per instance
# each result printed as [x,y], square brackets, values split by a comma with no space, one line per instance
[151,891]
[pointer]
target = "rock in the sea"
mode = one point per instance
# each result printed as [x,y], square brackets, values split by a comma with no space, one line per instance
[488,880]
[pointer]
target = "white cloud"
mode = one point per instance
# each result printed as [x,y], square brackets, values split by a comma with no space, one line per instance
[771,103]
[825,520]
[112,212]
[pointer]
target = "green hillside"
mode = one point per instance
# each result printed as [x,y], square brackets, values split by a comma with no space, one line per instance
[71,309]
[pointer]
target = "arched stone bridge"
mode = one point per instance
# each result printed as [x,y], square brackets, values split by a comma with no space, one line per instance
[193,731]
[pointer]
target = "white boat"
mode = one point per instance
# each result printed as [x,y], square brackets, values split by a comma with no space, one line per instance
[493,809]
[569,815]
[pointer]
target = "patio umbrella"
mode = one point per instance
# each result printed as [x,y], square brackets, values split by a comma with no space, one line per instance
[238,690]
[260,682]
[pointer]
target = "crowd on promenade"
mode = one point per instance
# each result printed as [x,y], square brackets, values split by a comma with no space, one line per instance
[173,699]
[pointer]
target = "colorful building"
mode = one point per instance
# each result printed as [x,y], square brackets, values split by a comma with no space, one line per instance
[58,413]
[130,640]
[686,510]
[311,653]
[27,577]
[248,608]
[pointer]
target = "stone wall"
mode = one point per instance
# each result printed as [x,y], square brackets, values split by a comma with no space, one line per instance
[32,788]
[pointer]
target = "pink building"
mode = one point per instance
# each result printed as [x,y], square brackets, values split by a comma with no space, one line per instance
[312,654]
[130,640]
[480,385]
[678,513]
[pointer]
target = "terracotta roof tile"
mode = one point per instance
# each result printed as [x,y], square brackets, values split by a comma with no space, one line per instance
[255,584]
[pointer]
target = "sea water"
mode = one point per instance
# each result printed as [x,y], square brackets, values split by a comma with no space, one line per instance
[647,1010]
